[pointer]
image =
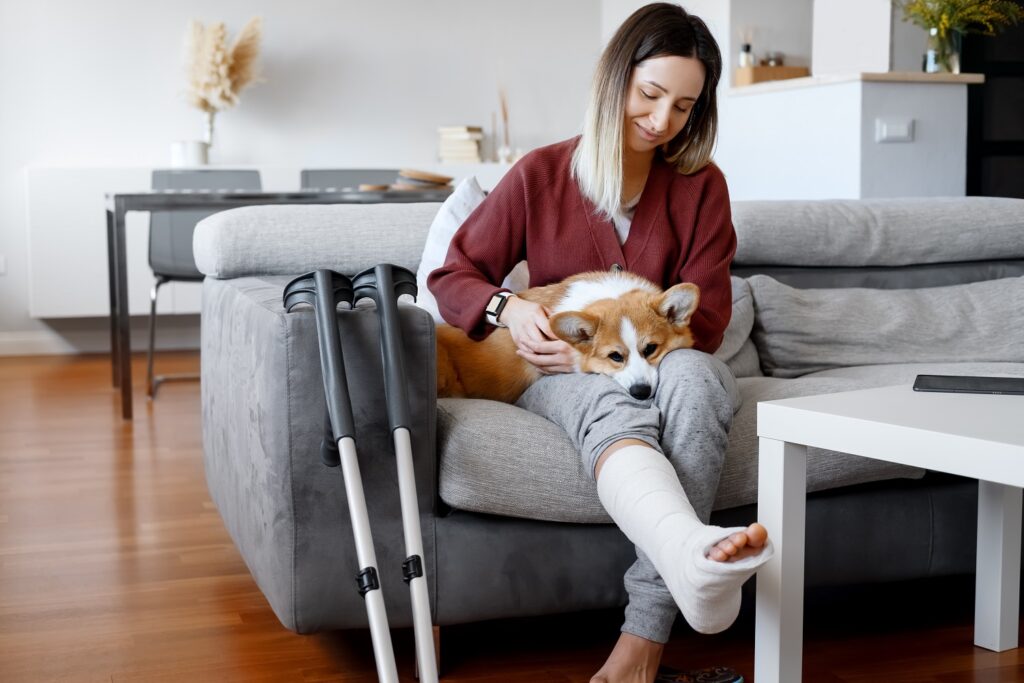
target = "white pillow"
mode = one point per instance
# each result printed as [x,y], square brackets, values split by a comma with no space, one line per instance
[452,214]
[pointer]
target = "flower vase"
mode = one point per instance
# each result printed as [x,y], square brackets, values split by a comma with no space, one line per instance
[943,54]
[208,133]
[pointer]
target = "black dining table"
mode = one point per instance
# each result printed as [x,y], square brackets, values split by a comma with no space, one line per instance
[118,205]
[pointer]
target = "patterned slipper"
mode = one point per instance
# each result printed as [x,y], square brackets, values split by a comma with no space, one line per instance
[714,674]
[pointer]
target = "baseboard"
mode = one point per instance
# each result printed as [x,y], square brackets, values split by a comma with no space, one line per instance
[94,337]
[35,344]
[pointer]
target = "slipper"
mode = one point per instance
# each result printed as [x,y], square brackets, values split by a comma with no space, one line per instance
[713,674]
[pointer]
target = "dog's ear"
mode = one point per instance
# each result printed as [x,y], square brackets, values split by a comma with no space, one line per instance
[678,303]
[574,327]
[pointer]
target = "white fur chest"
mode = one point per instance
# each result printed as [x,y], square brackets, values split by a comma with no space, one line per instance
[583,293]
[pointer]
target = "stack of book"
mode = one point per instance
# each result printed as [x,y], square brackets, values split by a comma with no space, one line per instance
[460,144]
[411,179]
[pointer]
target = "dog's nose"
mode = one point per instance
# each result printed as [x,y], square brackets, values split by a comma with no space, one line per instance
[640,391]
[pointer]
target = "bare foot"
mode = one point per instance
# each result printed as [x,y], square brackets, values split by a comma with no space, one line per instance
[741,544]
[633,660]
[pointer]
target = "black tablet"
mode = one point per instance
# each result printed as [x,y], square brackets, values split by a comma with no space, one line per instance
[970,385]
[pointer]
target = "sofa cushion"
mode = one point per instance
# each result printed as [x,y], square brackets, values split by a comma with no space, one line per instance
[532,471]
[878,232]
[501,459]
[800,331]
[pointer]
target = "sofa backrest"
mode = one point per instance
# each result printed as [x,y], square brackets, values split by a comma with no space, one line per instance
[912,280]
[880,243]
[293,239]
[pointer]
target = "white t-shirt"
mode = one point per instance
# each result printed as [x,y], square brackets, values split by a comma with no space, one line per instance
[623,218]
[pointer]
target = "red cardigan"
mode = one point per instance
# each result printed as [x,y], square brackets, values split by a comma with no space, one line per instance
[681,232]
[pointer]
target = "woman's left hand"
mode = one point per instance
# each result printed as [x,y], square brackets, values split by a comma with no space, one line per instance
[551,356]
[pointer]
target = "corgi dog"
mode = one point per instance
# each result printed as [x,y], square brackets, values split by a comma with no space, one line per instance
[619,324]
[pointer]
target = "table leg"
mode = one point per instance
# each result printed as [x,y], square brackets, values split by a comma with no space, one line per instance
[781,508]
[997,587]
[112,283]
[123,332]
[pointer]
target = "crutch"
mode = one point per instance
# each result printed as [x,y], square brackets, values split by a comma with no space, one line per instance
[324,290]
[384,284]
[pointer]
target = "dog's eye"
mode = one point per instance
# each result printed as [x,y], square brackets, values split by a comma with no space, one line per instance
[615,356]
[649,350]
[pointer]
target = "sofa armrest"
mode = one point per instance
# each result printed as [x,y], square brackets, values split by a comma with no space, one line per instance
[291,239]
[263,415]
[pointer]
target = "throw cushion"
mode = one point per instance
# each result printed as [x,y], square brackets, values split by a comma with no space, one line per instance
[733,351]
[453,213]
[799,331]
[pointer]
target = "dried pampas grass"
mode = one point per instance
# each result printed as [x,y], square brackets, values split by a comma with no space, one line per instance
[244,52]
[217,74]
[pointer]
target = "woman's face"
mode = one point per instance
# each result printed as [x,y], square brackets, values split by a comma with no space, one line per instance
[662,92]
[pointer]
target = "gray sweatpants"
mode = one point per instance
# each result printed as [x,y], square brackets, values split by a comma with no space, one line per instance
[688,419]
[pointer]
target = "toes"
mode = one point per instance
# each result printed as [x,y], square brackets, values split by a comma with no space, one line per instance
[757,535]
[728,547]
[717,554]
[739,539]
[740,544]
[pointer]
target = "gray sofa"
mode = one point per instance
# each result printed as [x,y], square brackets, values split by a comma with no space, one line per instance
[828,296]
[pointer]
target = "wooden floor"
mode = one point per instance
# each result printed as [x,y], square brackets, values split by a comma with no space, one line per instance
[114,566]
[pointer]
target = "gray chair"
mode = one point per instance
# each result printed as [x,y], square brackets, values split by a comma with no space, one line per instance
[346,178]
[170,241]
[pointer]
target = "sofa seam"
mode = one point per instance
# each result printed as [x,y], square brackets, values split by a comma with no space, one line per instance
[291,477]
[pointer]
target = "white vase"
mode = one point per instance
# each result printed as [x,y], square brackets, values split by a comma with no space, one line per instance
[187,153]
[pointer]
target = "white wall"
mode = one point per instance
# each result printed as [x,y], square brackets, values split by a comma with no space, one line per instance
[935,163]
[792,144]
[851,37]
[773,26]
[909,43]
[348,83]
[714,13]
[92,83]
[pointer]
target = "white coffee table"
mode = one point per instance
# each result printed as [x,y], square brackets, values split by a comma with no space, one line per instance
[973,435]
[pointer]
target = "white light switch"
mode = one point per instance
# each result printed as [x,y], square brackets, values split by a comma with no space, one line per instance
[894,130]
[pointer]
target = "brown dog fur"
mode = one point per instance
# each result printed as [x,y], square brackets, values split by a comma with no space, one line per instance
[491,368]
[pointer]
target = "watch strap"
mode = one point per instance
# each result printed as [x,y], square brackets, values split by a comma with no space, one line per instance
[495,306]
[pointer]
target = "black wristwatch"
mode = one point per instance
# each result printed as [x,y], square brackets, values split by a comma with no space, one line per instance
[495,306]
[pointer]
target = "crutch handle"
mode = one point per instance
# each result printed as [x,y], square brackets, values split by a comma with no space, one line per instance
[324,290]
[384,284]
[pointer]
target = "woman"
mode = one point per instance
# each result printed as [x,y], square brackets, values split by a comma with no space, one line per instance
[636,191]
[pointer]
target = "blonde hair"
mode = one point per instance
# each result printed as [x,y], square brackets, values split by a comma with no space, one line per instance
[656,30]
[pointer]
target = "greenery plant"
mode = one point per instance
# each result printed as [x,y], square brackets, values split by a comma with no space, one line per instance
[987,17]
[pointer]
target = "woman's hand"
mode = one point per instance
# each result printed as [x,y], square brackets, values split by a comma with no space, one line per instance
[537,344]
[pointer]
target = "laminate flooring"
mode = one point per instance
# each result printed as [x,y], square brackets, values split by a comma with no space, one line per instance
[115,566]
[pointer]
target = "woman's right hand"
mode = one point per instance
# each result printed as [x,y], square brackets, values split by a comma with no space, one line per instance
[528,324]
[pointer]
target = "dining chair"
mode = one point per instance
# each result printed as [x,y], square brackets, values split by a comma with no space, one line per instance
[170,240]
